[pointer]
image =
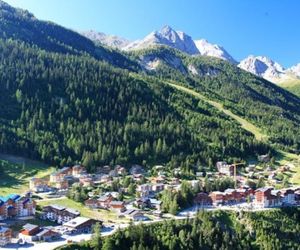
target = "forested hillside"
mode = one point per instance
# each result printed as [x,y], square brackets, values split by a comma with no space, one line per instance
[62,109]
[67,100]
[21,25]
[270,107]
[276,230]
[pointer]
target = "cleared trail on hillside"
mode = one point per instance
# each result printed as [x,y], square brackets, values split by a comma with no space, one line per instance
[244,123]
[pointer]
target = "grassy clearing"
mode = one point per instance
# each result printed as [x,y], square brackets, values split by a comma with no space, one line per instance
[292,85]
[282,158]
[17,171]
[100,214]
[244,123]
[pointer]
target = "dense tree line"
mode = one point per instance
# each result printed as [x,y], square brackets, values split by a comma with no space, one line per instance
[64,108]
[273,109]
[276,229]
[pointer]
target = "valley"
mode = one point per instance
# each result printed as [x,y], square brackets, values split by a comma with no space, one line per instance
[167,141]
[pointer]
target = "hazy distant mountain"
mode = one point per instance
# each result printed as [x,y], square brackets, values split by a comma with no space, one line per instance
[207,49]
[108,40]
[166,36]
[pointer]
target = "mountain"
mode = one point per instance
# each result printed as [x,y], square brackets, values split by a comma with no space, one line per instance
[108,40]
[295,70]
[264,67]
[84,102]
[181,41]
[273,72]
[21,25]
[166,36]
[207,49]
[259,101]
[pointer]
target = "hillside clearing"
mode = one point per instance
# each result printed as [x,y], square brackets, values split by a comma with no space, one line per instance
[244,123]
[101,214]
[17,171]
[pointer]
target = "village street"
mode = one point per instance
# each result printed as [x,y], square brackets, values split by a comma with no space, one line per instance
[187,213]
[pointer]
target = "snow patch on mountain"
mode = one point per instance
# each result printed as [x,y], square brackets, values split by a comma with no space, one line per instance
[208,49]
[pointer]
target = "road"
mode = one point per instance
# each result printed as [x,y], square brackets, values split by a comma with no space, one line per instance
[188,213]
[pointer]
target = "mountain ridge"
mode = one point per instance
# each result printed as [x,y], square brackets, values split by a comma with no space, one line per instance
[64,107]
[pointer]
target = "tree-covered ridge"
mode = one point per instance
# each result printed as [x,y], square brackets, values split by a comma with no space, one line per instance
[64,108]
[276,230]
[270,107]
[21,25]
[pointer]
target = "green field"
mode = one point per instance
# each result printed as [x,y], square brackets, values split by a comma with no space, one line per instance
[100,214]
[17,171]
[292,85]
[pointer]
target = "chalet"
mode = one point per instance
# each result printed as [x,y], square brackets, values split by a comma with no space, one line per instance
[224,168]
[62,184]
[16,206]
[144,189]
[91,203]
[118,206]
[288,197]
[120,170]
[59,214]
[28,233]
[175,181]
[80,225]
[136,215]
[5,236]
[104,201]
[78,170]
[156,204]
[39,185]
[138,177]
[105,178]
[86,181]
[158,187]
[142,202]
[267,197]
[217,197]
[60,174]
[202,199]
[136,169]
[47,234]
[159,180]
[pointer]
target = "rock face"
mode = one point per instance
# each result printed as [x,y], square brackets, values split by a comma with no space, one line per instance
[207,49]
[270,70]
[108,40]
[295,70]
[263,67]
[166,36]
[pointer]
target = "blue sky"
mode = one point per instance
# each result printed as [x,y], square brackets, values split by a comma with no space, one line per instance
[243,27]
